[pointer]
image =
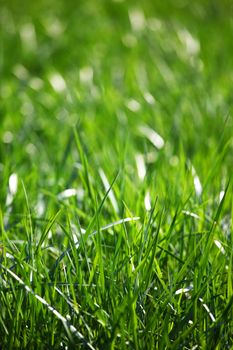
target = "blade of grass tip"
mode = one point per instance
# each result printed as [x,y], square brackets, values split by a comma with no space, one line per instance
[66,152]
[71,330]
[77,244]
[98,211]
[84,162]
[220,153]
[30,235]
[171,254]
[46,231]
[216,219]
[81,231]
[172,225]
[106,184]
[204,259]
[151,220]
[217,215]
[144,237]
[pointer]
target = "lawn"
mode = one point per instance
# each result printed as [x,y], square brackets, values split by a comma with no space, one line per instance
[116,156]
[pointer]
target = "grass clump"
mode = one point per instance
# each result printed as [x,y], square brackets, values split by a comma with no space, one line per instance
[115,170]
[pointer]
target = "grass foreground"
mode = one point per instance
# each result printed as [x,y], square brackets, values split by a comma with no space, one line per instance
[116,157]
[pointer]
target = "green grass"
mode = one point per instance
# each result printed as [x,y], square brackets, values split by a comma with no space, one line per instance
[115,170]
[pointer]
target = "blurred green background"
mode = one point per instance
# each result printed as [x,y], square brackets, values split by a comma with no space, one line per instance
[107,67]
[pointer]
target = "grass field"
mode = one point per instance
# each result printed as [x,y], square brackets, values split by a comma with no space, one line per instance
[116,156]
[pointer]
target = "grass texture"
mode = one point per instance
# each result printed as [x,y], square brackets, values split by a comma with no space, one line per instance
[115,170]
